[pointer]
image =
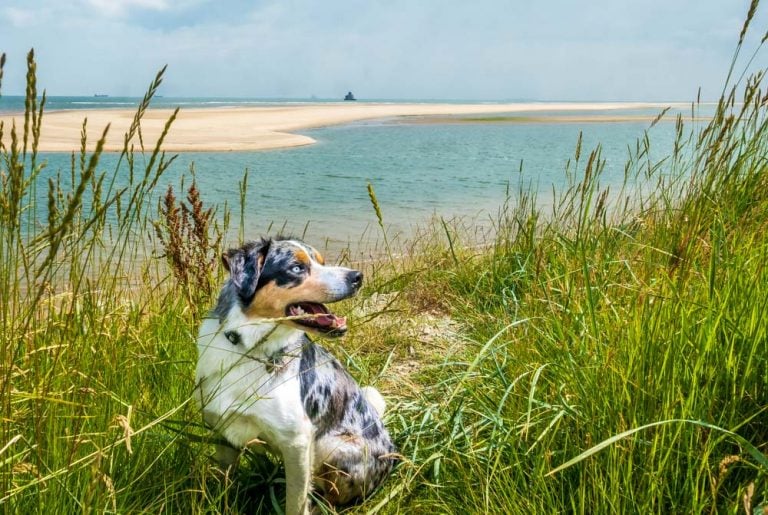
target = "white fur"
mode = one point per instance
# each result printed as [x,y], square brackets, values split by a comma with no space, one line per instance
[242,402]
[375,399]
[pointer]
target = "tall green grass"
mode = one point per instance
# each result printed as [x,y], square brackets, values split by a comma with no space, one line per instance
[616,354]
[607,354]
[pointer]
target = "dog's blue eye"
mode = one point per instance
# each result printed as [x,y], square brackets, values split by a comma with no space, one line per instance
[297,269]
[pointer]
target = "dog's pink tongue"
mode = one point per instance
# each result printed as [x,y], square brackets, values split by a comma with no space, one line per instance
[331,320]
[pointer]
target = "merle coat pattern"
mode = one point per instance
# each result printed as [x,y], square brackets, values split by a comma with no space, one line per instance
[263,383]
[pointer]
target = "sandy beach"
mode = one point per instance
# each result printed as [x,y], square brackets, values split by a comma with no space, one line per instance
[261,128]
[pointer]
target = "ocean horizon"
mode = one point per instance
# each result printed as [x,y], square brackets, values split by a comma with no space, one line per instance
[15,103]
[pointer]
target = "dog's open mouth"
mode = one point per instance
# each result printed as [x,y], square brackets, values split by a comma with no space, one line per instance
[318,317]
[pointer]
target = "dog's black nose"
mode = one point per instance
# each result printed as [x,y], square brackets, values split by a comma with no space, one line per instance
[355,279]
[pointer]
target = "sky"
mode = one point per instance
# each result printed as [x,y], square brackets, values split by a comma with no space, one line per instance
[587,50]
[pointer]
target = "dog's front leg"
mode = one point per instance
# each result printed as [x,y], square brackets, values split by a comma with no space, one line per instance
[298,466]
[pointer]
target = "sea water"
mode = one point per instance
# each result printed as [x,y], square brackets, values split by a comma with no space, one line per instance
[443,168]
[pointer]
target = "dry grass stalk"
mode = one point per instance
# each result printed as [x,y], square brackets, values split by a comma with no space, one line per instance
[190,241]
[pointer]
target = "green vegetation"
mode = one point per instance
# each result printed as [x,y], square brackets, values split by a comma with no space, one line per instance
[630,326]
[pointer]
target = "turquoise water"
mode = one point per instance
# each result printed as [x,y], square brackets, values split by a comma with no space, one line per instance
[418,170]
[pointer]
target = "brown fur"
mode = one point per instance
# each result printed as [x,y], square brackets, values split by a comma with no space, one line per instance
[318,257]
[271,300]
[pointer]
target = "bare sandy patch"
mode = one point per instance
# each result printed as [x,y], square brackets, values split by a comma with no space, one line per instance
[257,128]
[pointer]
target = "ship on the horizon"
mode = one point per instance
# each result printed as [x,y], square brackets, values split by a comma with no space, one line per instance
[349,96]
[100,95]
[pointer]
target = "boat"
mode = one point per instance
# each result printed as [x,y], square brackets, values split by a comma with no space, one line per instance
[349,96]
[100,95]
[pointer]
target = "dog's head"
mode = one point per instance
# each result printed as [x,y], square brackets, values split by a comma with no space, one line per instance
[288,280]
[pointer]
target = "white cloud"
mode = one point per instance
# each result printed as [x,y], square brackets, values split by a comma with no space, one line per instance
[115,8]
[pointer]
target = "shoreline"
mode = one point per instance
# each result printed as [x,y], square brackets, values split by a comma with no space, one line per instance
[241,129]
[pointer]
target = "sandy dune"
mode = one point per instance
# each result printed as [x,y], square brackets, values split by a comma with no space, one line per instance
[258,128]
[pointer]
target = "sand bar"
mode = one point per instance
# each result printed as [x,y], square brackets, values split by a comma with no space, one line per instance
[260,128]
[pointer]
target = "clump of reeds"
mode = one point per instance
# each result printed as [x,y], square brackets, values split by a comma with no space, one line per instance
[85,317]
[191,243]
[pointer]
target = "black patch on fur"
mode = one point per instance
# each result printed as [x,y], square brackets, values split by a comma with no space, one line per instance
[244,270]
[312,408]
[360,404]
[278,267]
[233,337]
[371,430]
[307,373]
[336,405]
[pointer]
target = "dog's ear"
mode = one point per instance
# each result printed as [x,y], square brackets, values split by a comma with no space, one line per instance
[244,265]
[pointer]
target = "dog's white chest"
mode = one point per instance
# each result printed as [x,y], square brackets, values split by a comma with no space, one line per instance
[248,397]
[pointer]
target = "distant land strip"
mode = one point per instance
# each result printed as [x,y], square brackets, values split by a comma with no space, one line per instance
[263,128]
[584,118]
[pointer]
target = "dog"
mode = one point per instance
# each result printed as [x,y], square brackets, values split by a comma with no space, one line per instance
[263,383]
